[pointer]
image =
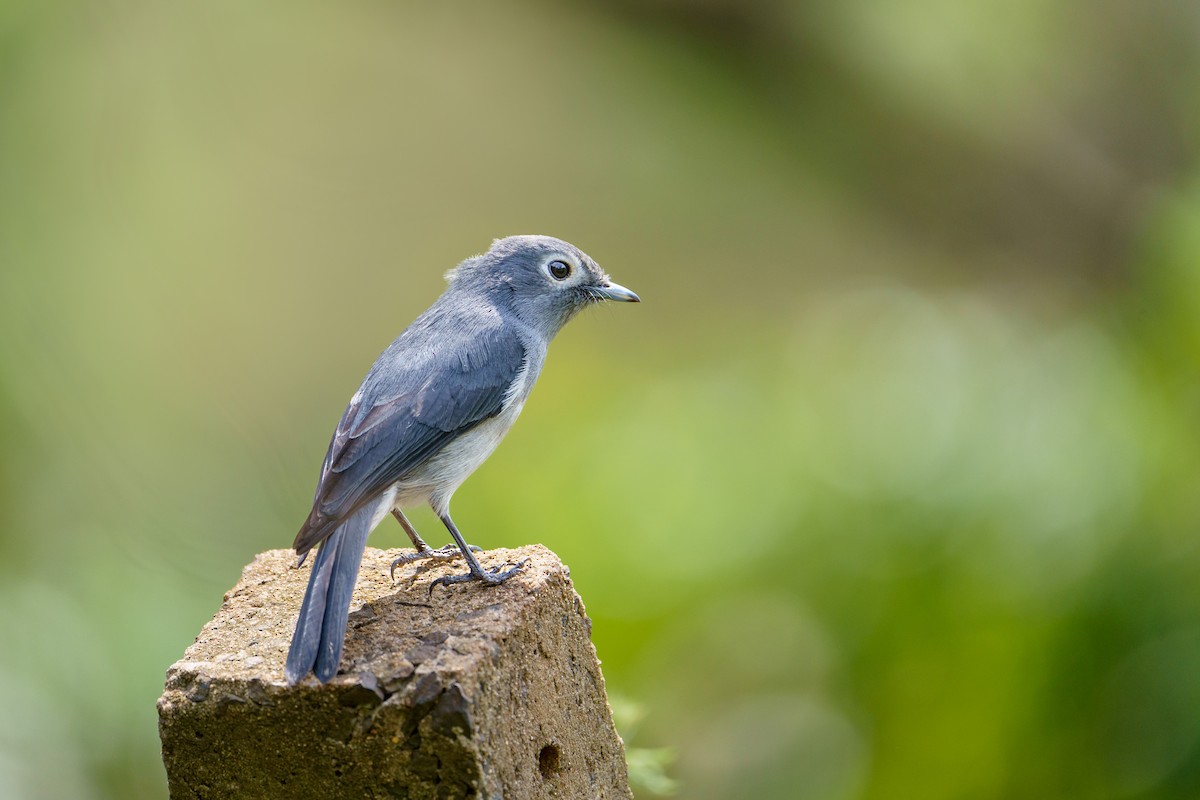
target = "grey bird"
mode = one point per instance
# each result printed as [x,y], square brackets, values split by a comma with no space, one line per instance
[431,410]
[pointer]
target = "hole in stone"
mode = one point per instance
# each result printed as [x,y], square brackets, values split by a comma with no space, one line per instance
[548,760]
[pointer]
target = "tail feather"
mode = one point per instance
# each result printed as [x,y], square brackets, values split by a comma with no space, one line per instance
[302,655]
[321,627]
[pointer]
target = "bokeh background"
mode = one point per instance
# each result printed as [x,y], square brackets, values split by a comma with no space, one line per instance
[890,488]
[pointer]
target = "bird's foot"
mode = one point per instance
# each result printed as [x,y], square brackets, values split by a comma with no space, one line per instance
[442,553]
[492,576]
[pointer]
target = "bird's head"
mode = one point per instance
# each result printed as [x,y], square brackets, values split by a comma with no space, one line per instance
[544,280]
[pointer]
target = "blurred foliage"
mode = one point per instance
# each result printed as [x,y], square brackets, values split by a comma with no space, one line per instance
[647,765]
[888,489]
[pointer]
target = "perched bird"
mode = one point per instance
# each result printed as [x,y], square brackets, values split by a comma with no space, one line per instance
[431,410]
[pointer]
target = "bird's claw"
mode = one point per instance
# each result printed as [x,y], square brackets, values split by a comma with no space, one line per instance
[446,551]
[492,577]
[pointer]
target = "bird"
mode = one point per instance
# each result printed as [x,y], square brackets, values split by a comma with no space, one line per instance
[430,411]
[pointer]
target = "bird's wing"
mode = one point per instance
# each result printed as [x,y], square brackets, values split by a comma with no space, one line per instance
[433,383]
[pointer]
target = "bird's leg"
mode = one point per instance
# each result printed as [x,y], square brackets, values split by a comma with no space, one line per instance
[477,572]
[423,550]
[417,541]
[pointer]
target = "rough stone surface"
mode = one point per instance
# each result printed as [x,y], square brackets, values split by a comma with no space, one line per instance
[479,691]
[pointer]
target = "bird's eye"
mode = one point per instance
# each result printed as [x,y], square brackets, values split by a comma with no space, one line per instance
[559,270]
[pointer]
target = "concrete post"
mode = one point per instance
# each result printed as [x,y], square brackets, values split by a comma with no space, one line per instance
[479,691]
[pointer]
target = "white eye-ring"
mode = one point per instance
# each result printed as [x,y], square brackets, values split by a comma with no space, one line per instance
[559,270]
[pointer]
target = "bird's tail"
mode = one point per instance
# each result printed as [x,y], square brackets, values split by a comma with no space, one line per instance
[321,628]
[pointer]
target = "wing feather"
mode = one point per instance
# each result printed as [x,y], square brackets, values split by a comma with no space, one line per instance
[441,377]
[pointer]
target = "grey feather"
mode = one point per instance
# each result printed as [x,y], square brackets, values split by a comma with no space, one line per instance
[322,621]
[352,540]
[413,401]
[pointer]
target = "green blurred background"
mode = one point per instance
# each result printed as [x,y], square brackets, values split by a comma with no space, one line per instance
[890,488]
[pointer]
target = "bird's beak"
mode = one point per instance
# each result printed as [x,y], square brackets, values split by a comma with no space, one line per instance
[615,291]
